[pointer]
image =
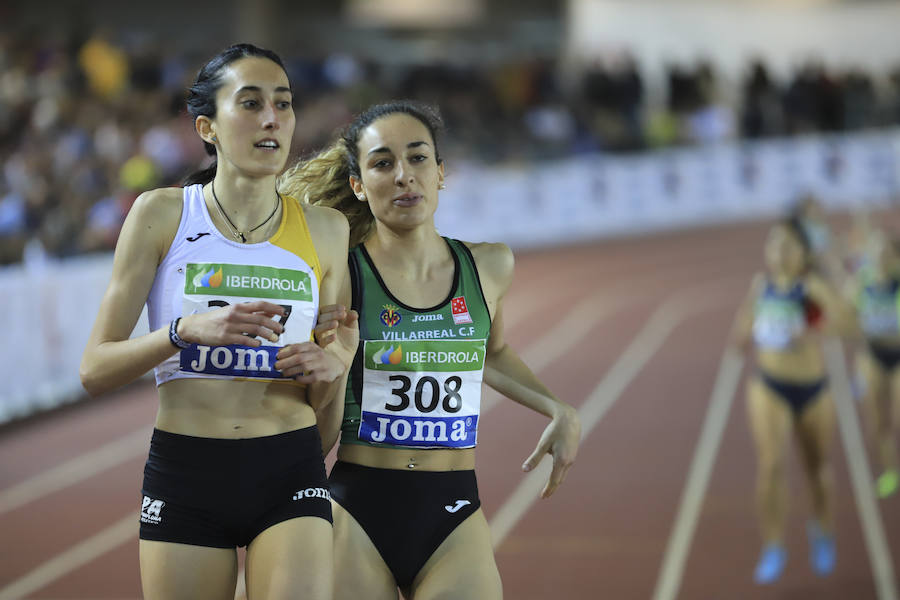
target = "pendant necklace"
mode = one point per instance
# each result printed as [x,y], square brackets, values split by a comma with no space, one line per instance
[240,235]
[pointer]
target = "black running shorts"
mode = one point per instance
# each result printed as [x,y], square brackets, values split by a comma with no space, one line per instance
[223,492]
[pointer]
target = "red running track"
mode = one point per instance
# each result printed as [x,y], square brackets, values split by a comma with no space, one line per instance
[70,480]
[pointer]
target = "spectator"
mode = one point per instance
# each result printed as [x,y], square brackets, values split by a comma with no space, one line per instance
[108,108]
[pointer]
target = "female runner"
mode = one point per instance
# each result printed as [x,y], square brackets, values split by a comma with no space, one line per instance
[233,273]
[406,505]
[877,298]
[781,316]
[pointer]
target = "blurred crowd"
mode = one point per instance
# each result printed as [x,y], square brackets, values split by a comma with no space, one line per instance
[87,123]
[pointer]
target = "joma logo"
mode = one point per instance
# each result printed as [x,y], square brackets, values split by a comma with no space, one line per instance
[419,430]
[315,492]
[419,318]
[223,357]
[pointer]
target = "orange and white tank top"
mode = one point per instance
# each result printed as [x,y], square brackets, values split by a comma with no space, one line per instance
[204,270]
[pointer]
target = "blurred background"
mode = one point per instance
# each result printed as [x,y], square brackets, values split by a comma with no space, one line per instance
[570,121]
[92,93]
[567,120]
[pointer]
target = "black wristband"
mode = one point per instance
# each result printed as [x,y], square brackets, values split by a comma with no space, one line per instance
[174,337]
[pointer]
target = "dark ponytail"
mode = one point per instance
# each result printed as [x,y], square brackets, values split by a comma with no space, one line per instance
[201,176]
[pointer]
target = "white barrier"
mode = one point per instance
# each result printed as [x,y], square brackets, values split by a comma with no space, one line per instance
[596,196]
[49,308]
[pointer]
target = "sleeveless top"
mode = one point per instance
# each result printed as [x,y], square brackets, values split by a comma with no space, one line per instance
[780,317]
[878,306]
[204,270]
[416,379]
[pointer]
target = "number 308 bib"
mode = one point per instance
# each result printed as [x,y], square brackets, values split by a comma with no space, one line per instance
[422,393]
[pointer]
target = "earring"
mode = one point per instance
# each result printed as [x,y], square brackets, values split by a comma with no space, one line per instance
[362,197]
[215,139]
[441,186]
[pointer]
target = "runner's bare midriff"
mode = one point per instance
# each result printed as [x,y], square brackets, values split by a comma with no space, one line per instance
[408,459]
[225,408]
[802,363]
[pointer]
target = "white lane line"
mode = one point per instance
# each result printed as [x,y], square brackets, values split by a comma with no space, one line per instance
[638,353]
[77,469]
[705,454]
[561,337]
[240,590]
[75,557]
[860,478]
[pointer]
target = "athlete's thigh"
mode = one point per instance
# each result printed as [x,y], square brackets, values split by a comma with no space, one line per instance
[462,567]
[359,570]
[876,381]
[179,571]
[292,559]
[815,428]
[770,419]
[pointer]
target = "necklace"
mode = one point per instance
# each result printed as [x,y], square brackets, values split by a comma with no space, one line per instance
[237,233]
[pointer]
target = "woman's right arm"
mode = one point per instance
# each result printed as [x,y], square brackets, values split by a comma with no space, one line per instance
[111,359]
[742,330]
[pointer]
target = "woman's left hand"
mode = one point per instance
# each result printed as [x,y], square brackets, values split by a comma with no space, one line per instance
[560,440]
[308,363]
[339,328]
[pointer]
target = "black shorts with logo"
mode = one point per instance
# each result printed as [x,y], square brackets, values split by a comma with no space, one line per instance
[406,514]
[222,493]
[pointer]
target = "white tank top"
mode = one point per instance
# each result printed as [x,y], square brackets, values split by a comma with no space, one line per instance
[204,270]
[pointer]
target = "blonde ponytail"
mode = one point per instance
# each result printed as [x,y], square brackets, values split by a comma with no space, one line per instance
[324,180]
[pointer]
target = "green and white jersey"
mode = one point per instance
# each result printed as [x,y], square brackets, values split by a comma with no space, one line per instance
[416,379]
[878,305]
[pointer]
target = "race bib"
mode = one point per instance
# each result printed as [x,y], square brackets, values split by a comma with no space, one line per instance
[878,316]
[422,393]
[777,325]
[211,286]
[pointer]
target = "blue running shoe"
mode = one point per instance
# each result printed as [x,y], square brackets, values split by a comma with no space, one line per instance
[771,564]
[822,552]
